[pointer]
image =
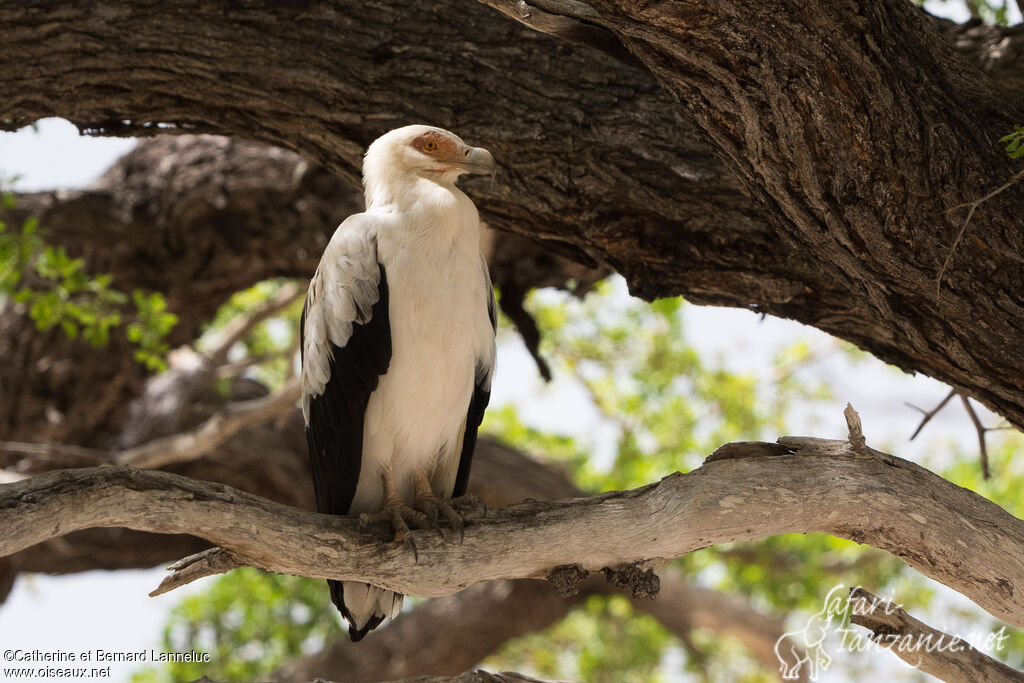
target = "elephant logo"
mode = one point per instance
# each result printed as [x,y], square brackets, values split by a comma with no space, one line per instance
[812,639]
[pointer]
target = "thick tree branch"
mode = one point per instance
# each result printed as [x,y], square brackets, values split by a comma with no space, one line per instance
[948,533]
[502,476]
[946,657]
[851,132]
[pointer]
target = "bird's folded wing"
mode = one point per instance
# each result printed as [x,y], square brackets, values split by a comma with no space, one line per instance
[346,347]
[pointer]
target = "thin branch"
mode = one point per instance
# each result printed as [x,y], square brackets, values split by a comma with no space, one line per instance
[24,458]
[971,206]
[241,325]
[217,429]
[981,430]
[726,500]
[237,368]
[946,657]
[929,414]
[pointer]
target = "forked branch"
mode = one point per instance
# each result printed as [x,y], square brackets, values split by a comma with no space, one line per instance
[745,492]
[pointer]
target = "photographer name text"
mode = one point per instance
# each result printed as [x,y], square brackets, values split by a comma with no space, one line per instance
[102,656]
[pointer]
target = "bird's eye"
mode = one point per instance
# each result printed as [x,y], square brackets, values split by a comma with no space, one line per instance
[430,146]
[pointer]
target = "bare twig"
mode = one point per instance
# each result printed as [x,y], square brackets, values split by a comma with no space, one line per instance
[981,430]
[971,206]
[223,424]
[855,429]
[242,324]
[23,458]
[209,562]
[929,414]
[946,657]
[723,501]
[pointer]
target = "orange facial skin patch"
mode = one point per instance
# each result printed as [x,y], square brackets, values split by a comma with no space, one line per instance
[435,145]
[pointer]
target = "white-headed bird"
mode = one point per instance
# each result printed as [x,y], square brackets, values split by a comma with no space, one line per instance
[398,349]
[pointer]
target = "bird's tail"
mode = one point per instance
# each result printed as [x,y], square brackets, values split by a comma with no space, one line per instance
[364,606]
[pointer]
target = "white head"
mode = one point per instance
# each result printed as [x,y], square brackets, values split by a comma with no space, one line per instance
[418,151]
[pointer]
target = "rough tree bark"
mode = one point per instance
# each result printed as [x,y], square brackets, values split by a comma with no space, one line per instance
[743,492]
[852,129]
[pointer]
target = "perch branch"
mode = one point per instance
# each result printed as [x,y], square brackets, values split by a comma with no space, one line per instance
[950,534]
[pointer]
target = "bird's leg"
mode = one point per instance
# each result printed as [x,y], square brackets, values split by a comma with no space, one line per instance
[427,502]
[395,511]
[432,505]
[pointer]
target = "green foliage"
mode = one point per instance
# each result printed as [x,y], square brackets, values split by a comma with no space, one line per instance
[250,622]
[153,322]
[272,342]
[56,290]
[1006,461]
[670,406]
[591,645]
[1015,143]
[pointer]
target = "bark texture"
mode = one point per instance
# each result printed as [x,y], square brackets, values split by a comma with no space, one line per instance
[947,657]
[833,140]
[739,494]
[501,476]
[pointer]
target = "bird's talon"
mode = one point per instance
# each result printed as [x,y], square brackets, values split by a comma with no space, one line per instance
[411,544]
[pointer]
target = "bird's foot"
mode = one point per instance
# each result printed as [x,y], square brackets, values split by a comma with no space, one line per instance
[394,512]
[398,517]
[470,503]
[435,508]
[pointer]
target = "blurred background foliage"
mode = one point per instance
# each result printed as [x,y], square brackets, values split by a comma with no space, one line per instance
[57,290]
[664,407]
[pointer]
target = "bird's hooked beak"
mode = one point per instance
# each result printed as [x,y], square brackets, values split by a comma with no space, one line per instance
[476,160]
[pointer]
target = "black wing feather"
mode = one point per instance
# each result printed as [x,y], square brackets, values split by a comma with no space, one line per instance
[335,431]
[477,406]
